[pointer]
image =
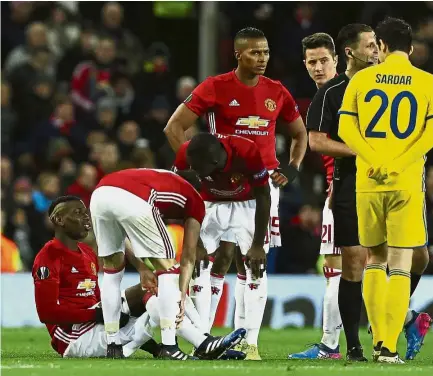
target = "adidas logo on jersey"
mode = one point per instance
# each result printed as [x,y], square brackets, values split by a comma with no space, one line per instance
[234,103]
[73,270]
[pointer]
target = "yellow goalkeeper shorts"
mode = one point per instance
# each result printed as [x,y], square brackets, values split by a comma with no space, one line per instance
[396,217]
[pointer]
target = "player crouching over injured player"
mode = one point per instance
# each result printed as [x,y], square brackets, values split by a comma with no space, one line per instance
[68,297]
[234,185]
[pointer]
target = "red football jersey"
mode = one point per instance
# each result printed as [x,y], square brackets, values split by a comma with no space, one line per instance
[235,108]
[174,197]
[66,287]
[244,169]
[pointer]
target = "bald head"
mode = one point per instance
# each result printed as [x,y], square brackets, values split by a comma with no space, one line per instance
[205,153]
[36,34]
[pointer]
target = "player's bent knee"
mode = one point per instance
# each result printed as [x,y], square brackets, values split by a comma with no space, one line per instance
[420,260]
[333,261]
[116,261]
[223,259]
[400,258]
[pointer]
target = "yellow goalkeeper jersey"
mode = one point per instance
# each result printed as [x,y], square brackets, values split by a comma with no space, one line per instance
[387,119]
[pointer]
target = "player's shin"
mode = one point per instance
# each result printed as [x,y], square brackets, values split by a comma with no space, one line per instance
[169,298]
[216,286]
[201,295]
[241,281]
[398,294]
[111,302]
[142,334]
[331,313]
[255,302]
[375,286]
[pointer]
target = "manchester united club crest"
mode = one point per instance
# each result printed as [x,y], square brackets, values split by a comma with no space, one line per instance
[236,178]
[270,104]
[93,267]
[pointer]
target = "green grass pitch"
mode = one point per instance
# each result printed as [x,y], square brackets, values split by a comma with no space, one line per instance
[28,352]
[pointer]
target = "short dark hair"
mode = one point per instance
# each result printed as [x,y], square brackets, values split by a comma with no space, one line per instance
[201,144]
[60,200]
[349,36]
[249,33]
[318,40]
[395,33]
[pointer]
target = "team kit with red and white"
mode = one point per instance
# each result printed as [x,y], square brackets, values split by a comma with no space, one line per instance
[244,120]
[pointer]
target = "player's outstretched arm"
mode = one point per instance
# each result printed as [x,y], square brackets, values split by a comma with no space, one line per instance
[416,151]
[348,130]
[181,120]
[321,143]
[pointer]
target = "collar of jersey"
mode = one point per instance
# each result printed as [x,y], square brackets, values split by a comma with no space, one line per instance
[63,247]
[239,82]
[397,59]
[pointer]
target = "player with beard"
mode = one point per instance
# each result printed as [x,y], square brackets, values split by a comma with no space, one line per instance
[321,62]
[246,103]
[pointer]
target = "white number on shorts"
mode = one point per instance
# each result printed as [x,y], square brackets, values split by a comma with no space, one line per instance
[327,233]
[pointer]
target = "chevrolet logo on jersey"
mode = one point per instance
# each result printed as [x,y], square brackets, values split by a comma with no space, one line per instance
[87,285]
[253,122]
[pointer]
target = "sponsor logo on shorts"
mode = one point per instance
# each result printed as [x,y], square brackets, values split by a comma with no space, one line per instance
[253,286]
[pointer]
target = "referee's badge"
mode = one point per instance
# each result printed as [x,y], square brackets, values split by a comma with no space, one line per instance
[43,272]
[270,104]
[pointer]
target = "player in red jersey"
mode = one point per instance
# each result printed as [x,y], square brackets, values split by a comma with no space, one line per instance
[235,187]
[244,102]
[131,203]
[68,298]
[321,62]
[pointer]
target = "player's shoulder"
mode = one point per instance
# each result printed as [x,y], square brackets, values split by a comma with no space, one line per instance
[50,251]
[220,78]
[86,248]
[335,83]
[274,84]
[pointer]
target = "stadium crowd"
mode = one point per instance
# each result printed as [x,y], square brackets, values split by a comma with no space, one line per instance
[81,98]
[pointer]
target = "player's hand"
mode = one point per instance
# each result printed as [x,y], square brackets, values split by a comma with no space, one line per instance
[255,259]
[148,281]
[282,176]
[201,255]
[181,314]
[381,174]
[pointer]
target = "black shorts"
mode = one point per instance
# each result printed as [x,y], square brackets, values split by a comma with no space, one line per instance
[344,211]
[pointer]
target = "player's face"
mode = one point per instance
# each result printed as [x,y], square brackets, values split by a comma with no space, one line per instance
[76,220]
[203,166]
[320,64]
[255,56]
[367,48]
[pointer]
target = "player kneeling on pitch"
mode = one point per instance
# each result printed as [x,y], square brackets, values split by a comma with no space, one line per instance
[68,298]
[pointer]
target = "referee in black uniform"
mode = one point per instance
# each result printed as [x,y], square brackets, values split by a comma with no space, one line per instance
[358,45]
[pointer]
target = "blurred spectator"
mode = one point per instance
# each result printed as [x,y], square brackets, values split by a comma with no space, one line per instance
[91,79]
[10,256]
[14,24]
[129,49]
[8,119]
[32,91]
[84,184]
[107,159]
[62,32]
[49,189]
[142,156]
[82,50]
[127,136]
[129,106]
[185,86]
[302,242]
[36,37]
[106,117]
[6,175]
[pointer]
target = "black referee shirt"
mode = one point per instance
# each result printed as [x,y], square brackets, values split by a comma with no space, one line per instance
[323,117]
